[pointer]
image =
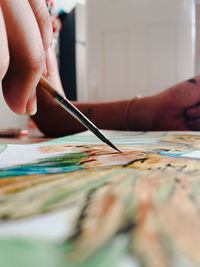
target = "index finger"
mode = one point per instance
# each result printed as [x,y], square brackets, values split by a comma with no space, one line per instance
[4,52]
[43,19]
[27,56]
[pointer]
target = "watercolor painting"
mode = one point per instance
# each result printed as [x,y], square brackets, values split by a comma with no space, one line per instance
[83,204]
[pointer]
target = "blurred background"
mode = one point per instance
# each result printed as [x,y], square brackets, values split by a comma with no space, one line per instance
[117,49]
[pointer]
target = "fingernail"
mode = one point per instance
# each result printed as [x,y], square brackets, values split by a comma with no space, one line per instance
[31,107]
[50,60]
[45,70]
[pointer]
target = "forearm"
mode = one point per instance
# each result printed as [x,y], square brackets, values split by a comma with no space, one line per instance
[176,108]
[53,120]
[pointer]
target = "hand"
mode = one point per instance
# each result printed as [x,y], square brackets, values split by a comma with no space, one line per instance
[52,73]
[24,45]
[177,108]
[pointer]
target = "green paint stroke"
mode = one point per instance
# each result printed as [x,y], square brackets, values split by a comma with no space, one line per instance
[196,187]
[109,255]
[2,148]
[38,253]
[68,159]
[164,192]
[91,185]
[29,253]
[46,165]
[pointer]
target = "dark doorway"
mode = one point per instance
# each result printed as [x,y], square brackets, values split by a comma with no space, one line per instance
[67,66]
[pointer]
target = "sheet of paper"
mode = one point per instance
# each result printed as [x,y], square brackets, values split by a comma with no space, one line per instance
[75,200]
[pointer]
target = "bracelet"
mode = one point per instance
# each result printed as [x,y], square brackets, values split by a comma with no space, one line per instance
[128,128]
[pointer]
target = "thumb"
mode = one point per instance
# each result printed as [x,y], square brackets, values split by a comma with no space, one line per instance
[51,72]
[50,62]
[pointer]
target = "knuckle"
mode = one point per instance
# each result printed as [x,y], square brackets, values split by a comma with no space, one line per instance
[36,63]
[45,17]
[45,26]
[47,36]
[45,21]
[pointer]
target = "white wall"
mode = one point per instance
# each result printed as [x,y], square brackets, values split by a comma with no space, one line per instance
[197,61]
[81,59]
[66,5]
[138,46]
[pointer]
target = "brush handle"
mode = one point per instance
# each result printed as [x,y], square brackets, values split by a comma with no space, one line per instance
[74,111]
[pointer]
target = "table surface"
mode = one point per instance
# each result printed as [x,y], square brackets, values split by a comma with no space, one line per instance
[33,136]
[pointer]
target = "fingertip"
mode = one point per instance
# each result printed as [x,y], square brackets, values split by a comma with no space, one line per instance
[4,50]
[31,106]
[33,112]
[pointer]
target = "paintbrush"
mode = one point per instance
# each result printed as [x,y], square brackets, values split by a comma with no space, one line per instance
[76,113]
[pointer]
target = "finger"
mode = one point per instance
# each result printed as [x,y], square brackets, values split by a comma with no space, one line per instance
[193,124]
[192,81]
[4,52]
[27,56]
[44,21]
[184,94]
[192,111]
[52,71]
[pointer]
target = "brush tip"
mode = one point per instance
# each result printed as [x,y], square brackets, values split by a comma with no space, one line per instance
[113,146]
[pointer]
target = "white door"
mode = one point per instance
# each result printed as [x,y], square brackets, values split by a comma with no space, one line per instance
[138,46]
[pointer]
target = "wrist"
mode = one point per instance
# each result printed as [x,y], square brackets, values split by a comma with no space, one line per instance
[141,114]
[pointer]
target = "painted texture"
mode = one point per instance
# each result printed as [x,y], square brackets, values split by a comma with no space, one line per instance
[143,204]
